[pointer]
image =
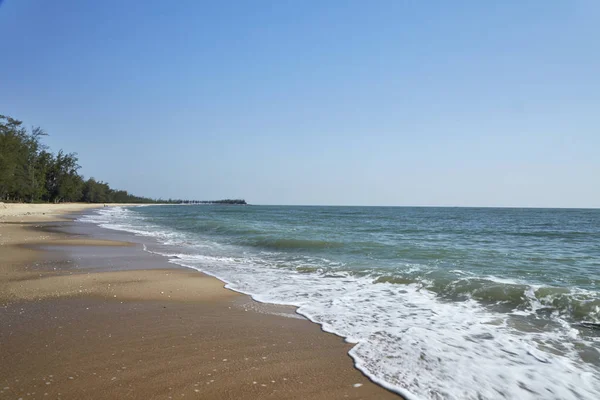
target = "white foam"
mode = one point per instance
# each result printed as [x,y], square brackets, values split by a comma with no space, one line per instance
[123,219]
[410,342]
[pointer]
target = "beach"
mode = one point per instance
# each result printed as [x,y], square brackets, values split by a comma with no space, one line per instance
[75,324]
[440,303]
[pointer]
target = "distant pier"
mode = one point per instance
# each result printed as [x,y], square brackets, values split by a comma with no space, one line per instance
[226,201]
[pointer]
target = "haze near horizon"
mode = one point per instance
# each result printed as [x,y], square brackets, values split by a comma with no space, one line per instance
[344,103]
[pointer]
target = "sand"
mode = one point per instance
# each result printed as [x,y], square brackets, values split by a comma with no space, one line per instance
[23,212]
[71,332]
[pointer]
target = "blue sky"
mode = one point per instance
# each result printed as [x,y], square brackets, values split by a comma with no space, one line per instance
[461,103]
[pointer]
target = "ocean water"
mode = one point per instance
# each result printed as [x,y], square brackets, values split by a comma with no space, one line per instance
[442,303]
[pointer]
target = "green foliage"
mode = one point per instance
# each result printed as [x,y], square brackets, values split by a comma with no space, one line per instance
[29,173]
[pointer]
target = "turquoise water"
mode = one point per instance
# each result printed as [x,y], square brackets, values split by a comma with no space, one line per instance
[442,302]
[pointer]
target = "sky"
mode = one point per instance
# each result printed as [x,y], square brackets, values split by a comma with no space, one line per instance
[422,103]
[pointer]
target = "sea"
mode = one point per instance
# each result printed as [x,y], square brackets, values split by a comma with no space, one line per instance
[441,303]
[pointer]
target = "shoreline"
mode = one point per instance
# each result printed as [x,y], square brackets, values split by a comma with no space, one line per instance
[39,212]
[298,358]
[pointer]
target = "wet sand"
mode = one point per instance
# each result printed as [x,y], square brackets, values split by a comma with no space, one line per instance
[76,326]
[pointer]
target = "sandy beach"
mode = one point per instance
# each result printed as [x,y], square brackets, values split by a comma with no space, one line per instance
[24,212]
[71,331]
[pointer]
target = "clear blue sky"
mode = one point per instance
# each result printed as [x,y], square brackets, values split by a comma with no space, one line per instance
[462,103]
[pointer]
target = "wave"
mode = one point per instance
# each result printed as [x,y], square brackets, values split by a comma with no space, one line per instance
[574,305]
[411,343]
[283,244]
[219,228]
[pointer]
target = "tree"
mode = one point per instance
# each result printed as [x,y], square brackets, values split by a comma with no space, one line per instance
[29,172]
[63,183]
[35,149]
[14,154]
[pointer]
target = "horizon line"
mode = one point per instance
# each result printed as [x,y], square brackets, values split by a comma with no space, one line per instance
[423,206]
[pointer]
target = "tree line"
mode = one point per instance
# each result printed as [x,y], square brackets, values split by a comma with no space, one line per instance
[29,172]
